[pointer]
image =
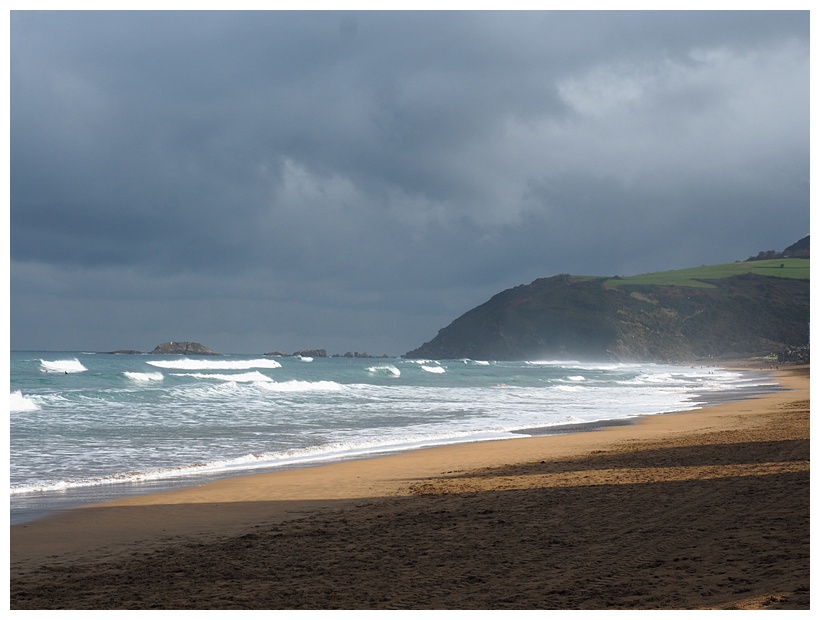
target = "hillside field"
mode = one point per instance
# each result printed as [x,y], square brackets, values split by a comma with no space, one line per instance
[698,277]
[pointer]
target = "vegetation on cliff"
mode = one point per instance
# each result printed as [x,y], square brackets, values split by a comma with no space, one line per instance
[737,309]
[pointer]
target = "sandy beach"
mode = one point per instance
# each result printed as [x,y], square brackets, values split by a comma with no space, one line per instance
[707,509]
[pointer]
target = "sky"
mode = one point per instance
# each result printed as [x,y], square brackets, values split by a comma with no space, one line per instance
[356,180]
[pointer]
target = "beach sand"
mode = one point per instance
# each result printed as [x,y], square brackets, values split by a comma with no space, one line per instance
[699,510]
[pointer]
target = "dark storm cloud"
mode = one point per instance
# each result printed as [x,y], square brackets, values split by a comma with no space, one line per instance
[359,179]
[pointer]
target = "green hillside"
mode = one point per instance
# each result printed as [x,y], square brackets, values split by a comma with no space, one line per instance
[745,308]
[797,268]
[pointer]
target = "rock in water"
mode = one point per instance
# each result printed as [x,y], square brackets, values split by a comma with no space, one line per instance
[183,348]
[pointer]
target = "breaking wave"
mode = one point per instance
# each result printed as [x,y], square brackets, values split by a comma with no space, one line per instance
[21,403]
[303,386]
[66,366]
[189,364]
[386,371]
[144,376]
[244,377]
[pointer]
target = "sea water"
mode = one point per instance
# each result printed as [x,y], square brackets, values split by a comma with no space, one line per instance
[85,427]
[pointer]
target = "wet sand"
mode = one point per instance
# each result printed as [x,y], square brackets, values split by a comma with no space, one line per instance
[699,510]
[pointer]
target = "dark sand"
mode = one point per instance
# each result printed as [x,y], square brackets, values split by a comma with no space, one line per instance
[699,510]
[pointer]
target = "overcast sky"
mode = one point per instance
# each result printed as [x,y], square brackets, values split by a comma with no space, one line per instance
[355,181]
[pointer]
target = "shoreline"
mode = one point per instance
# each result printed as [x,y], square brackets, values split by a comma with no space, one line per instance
[405,496]
[28,508]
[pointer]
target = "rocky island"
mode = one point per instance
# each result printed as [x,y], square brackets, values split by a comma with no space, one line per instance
[182,348]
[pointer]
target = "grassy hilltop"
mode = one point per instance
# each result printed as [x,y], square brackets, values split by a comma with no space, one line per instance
[744,308]
[701,277]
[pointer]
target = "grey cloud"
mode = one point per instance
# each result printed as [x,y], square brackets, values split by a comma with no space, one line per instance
[390,159]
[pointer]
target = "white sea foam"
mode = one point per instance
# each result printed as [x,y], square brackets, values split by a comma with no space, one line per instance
[568,388]
[197,364]
[434,369]
[605,366]
[552,362]
[22,403]
[144,376]
[303,386]
[340,450]
[65,366]
[203,420]
[243,377]
[388,370]
[661,378]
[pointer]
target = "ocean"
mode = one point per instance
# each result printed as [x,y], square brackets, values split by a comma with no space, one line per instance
[87,427]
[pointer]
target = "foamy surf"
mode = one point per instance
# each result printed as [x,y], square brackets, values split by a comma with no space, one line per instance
[334,451]
[130,421]
[303,386]
[197,364]
[243,377]
[144,376]
[385,371]
[63,366]
[18,402]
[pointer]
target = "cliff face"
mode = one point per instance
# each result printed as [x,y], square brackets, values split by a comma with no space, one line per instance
[182,348]
[602,318]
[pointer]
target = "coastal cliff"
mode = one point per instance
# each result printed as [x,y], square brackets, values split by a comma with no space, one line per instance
[744,308]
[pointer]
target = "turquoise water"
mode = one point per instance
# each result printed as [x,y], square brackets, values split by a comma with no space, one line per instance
[87,426]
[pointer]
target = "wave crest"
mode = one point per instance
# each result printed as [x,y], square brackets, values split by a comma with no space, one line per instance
[66,366]
[386,371]
[189,364]
[244,377]
[21,403]
[144,376]
[303,386]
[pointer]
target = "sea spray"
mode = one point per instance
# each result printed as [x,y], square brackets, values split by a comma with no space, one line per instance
[21,403]
[63,366]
